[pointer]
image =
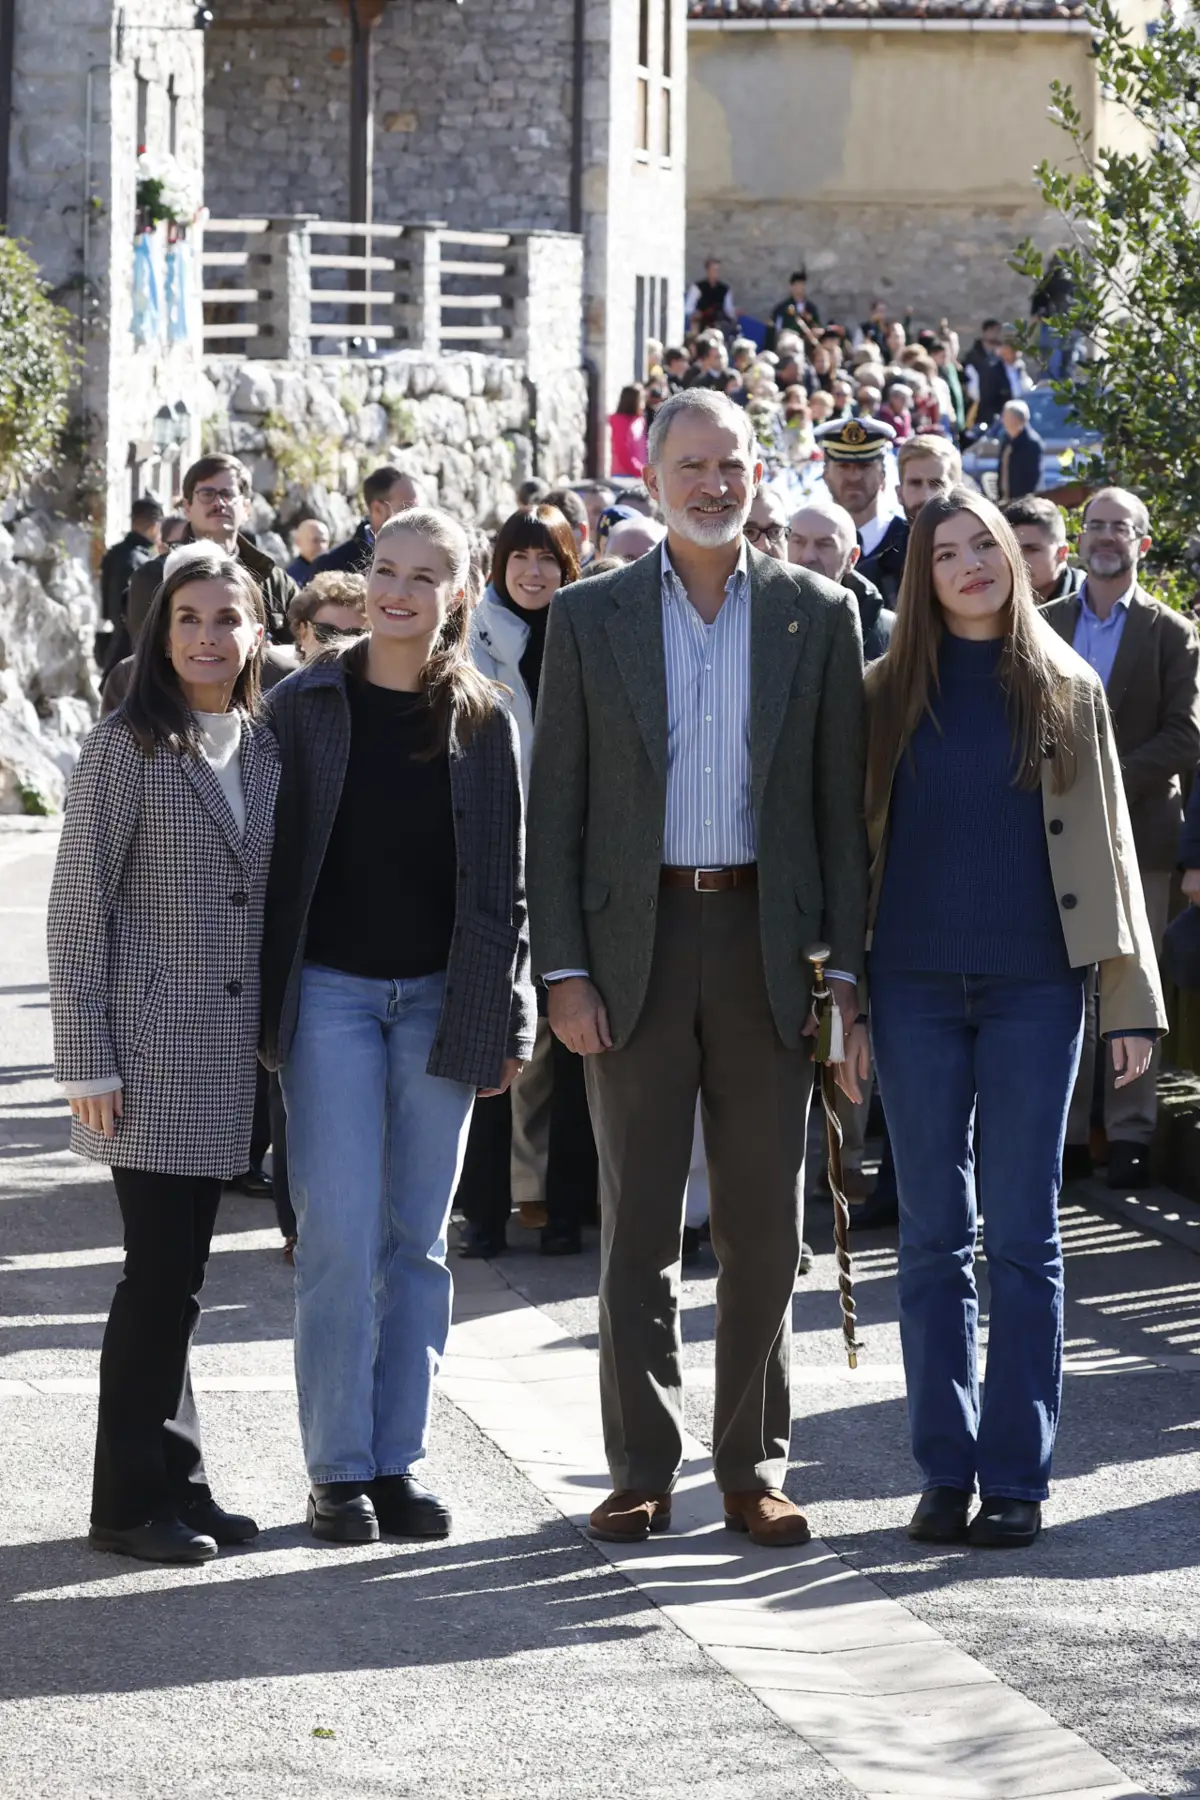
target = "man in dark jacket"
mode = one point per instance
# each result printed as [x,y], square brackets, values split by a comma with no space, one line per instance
[385,491]
[117,568]
[1041,531]
[987,376]
[821,537]
[1020,454]
[796,313]
[856,476]
[216,503]
[1148,657]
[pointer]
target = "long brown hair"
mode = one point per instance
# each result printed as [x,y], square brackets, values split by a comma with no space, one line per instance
[460,698]
[904,683]
[158,714]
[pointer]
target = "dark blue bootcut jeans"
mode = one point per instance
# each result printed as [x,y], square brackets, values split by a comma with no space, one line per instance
[945,1044]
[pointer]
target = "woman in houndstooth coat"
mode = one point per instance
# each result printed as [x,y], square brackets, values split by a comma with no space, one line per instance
[155,928]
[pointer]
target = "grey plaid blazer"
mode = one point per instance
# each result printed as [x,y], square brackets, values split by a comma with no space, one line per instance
[155,928]
[488,1012]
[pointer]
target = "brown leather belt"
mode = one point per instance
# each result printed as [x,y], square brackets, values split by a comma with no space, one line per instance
[710,881]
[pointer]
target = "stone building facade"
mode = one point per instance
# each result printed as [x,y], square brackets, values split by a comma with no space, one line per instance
[889,145]
[93,83]
[480,121]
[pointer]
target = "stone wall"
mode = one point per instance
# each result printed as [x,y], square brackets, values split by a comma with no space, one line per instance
[48,697]
[472,112]
[896,163]
[78,111]
[463,425]
[937,260]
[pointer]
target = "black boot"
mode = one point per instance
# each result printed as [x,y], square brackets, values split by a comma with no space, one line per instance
[340,1512]
[406,1509]
[223,1527]
[158,1540]
[941,1516]
[1128,1165]
[1004,1524]
[480,1244]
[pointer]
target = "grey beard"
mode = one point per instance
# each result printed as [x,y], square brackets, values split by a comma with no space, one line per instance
[687,525]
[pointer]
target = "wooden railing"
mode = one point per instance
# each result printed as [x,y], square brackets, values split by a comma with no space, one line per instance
[301,286]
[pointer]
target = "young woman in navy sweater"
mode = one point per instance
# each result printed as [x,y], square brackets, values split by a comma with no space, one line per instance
[1003,867]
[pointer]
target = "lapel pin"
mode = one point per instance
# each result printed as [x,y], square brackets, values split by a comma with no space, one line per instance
[793,626]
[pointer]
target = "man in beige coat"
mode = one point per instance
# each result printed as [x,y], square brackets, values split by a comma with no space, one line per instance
[695,820]
[1148,658]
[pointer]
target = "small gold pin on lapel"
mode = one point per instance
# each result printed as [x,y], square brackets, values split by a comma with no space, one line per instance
[793,626]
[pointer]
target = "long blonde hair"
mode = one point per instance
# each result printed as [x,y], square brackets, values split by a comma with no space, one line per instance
[460,697]
[902,685]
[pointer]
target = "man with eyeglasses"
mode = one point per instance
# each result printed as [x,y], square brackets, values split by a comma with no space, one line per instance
[1148,657]
[822,536]
[216,504]
[766,526]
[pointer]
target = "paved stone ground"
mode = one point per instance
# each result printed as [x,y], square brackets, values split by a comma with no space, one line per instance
[515,1660]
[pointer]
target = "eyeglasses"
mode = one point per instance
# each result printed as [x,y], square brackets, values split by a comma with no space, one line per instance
[1115,527]
[208,496]
[765,534]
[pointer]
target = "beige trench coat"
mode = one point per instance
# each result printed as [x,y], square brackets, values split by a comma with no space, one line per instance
[1092,859]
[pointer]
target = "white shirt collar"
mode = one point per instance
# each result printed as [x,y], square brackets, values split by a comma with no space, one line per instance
[740,569]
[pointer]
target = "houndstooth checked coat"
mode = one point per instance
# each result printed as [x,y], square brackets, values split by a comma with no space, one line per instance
[155,929]
[488,1011]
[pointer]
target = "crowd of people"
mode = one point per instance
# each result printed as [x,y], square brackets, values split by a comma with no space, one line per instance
[796,375]
[453,868]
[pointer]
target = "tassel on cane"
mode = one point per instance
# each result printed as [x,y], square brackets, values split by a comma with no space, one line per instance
[830,1050]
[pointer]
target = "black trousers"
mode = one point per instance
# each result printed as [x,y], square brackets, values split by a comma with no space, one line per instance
[485,1188]
[148,1457]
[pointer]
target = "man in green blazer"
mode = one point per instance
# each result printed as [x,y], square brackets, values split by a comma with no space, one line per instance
[695,821]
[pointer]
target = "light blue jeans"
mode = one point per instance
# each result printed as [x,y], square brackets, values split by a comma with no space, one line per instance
[375,1145]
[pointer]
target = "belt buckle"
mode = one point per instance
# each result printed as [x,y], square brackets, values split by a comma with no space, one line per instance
[697,873]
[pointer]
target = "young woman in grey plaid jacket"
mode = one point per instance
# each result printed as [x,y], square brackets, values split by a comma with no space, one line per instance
[395,988]
[155,926]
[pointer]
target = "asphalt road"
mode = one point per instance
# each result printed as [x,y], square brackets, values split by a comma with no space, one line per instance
[513,1660]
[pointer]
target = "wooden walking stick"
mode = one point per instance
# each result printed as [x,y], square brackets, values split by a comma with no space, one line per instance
[829,1051]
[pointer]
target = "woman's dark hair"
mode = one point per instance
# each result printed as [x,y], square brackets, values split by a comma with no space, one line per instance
[543,529]
[1038,695]
[632,401]
[158,714]
[460,698]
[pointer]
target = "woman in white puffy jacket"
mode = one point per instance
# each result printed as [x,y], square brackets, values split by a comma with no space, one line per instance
[546,1162]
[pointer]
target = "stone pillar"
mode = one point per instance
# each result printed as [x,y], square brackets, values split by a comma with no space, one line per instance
[547,294]
[418,277]
[281,271]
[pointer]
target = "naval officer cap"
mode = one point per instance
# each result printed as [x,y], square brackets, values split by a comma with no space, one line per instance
[855,440]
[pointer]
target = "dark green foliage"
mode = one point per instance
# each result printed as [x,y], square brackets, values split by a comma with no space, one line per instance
[36,367]
[1132,249]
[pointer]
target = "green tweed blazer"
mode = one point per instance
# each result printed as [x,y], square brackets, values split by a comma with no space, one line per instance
[598,788]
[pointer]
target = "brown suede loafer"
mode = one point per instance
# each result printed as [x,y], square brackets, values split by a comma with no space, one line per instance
[769,1518]
[630,1515]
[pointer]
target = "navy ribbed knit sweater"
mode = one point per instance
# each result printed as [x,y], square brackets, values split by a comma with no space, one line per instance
[967,888]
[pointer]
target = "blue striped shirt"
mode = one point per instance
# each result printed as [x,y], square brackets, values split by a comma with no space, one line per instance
[709,819]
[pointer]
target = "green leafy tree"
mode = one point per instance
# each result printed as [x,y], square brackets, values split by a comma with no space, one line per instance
[36,368]
[1127,280]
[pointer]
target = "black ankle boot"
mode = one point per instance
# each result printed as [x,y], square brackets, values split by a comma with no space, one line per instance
[406,1509]
[1004,1524]
[941,1516]
[340,1512]
[158,1540]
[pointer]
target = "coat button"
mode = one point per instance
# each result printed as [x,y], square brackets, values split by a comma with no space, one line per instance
[234,989]
[1069,901]
[650,905]
[1056,826]
[238,899]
